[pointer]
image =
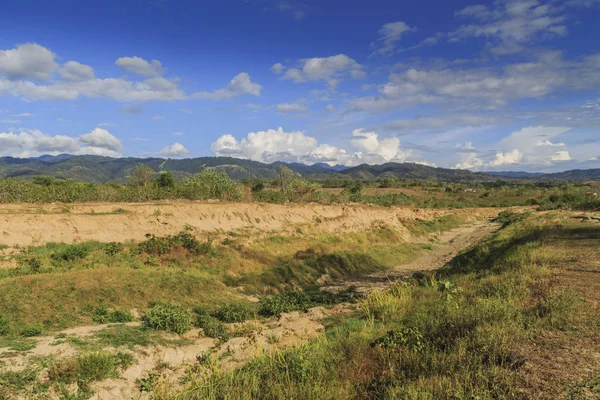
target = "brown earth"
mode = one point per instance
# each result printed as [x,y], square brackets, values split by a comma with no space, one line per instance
[27,224]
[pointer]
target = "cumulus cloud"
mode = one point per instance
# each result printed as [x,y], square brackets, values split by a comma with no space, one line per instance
[28,60]
[32,142]
[139,66]
[22,69]
[329,69]
[469,158]
[277,145]
[76,72]
[103,139]
[508,158]
[174,151]
[389,35]
[277,68]
[241,84]
[287,107]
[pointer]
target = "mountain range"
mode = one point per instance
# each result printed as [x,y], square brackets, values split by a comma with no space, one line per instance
[90,168]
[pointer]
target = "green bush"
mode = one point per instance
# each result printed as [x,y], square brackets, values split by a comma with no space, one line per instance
[103,315]
[31,330]
[183,240]
[72,252]
[211,326]
[235,312]
[167,317]
[89,367]
[4,325]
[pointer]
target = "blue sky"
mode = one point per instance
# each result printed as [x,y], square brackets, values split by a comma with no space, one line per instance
[496,85]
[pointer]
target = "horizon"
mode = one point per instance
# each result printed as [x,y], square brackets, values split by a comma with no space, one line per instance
[484,86]
[332,167]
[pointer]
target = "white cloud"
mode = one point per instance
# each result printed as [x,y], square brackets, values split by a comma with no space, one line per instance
[278,145]
[389,35]
[102,138]
[508,158]
[178,133]
[157,88]
[277,68]
[562,155]
[10,121]
[330,107]
[28,60]
[174,151]
[511,23]
[139,66]
[468,158]
[30,143]
[158,117]
[294,107]
[325,69]
[241,84]
[480,87]
[76,72]
[185,110]
[23,115]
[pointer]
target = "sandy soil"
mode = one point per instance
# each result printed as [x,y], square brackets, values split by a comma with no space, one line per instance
[27,224]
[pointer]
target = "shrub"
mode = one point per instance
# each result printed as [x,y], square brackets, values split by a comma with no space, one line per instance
[4,325]
[167,317]
[211,326]
[89,367]
[72,252]
[103,315]
[184,240]
[31,330]
[235,312]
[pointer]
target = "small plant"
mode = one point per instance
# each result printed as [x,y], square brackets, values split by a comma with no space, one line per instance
[167,317]
[32,330]
[409,338]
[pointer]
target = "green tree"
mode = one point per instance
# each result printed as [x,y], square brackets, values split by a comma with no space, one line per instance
[165,180]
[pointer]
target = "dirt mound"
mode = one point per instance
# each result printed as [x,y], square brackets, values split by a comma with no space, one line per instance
[26,224]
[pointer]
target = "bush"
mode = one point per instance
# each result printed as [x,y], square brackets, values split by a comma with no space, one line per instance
[183,240]
[235,312]
[72,252]
[211,326]
[4,325]
[167,317]
[104,315]
[32,330]
[89,367]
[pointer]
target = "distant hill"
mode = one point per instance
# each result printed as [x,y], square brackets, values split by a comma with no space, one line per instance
[91,168]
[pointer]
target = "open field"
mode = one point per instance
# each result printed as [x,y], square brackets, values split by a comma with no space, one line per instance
[194,300]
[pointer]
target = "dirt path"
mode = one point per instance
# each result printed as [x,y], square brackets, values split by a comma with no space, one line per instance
[450,243]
